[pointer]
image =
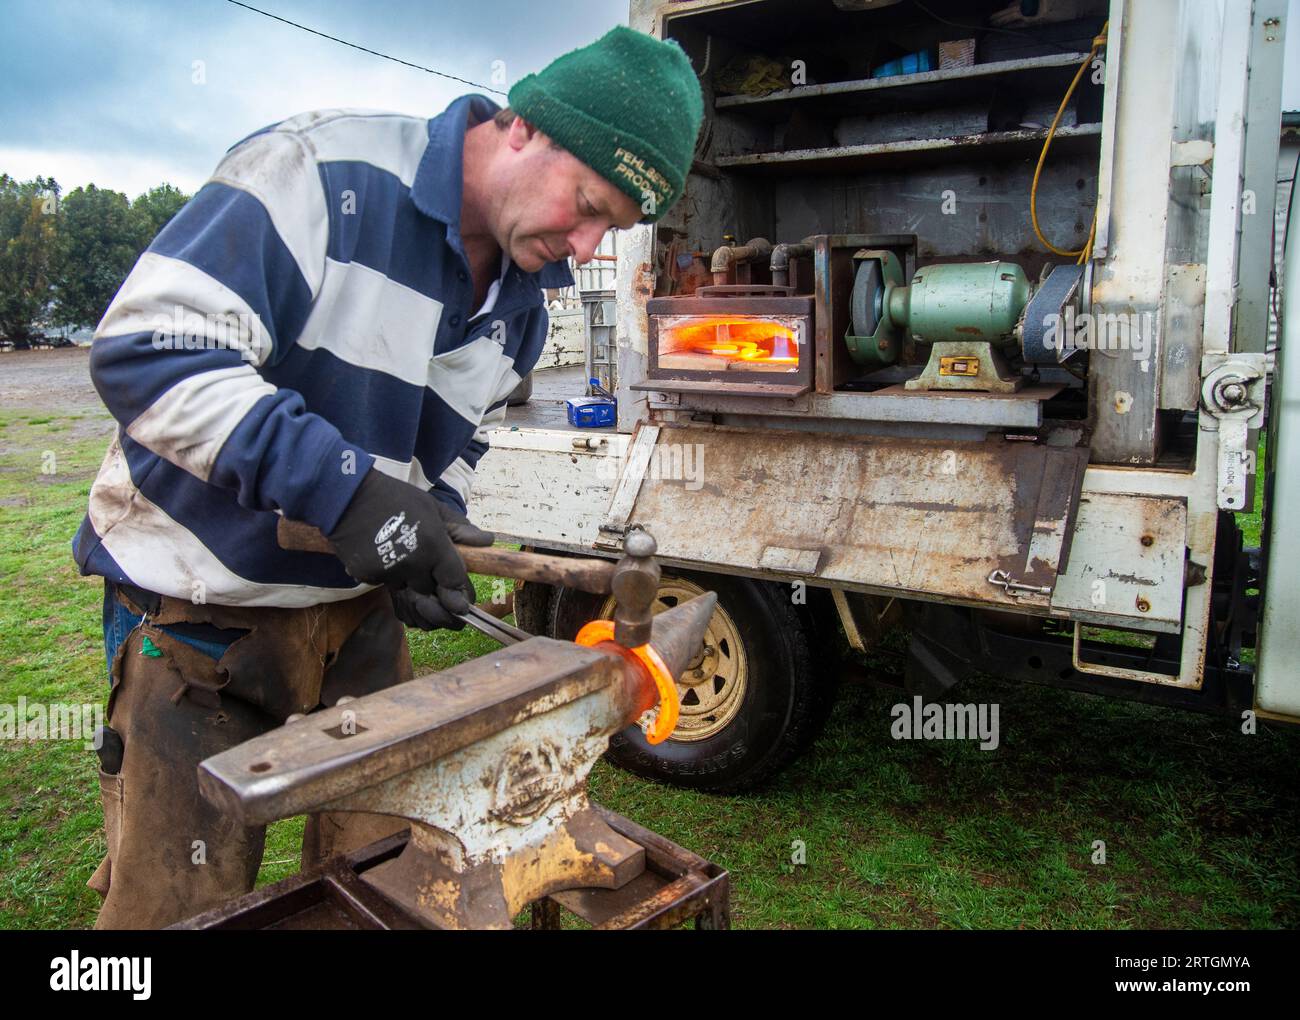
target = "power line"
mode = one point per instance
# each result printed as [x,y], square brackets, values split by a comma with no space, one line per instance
[364,49]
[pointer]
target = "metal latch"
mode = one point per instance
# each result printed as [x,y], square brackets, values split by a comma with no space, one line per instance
[1015,589]
[1233,394]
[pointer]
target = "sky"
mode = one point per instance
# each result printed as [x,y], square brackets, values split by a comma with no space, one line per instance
[131,93]
[128,94]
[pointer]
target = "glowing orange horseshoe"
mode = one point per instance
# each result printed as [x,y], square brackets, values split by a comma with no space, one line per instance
[599,631]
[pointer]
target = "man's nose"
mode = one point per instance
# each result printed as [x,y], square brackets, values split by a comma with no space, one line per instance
[584,241]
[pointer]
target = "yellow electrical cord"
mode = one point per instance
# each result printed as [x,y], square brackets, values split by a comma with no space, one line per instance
[1086,250]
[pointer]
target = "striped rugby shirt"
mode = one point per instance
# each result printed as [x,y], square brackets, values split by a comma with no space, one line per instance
[305,316]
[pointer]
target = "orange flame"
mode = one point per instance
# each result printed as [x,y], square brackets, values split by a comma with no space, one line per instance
[737,339]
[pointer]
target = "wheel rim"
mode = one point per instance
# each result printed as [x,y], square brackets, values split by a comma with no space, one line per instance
[713,687]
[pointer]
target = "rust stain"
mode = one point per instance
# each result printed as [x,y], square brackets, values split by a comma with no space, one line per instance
[643,280]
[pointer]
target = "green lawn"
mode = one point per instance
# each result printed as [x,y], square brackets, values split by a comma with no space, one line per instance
[1199,820]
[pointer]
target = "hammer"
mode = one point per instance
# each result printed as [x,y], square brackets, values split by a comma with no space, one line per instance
[633,580]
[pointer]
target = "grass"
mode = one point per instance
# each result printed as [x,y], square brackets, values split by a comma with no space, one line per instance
[1198,820]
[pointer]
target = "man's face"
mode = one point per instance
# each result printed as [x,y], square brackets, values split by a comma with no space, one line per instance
[554,205]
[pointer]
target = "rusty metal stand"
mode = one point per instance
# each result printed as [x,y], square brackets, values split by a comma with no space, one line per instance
[676,886]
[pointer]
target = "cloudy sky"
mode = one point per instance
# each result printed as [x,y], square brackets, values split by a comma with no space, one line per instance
[110,91]
[130,93]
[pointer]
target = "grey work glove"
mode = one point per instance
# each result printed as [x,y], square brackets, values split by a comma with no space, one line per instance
[422,611]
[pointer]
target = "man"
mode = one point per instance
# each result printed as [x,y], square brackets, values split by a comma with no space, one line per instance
[327,331]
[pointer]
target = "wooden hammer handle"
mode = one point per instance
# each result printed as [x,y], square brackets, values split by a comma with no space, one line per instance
[585,574]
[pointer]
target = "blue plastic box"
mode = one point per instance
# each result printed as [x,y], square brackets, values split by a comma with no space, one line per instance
[591,412]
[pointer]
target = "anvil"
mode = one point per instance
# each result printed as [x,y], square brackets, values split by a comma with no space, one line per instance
[488,760]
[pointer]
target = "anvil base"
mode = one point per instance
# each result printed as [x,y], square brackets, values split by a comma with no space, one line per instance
[583,852]
[676,886]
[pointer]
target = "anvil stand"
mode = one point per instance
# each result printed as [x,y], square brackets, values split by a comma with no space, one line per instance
[675,888]
[489,762]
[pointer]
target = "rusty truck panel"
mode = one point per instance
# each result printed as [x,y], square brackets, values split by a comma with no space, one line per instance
[1127,563]
[905,516]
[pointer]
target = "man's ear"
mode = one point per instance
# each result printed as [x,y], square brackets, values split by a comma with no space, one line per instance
[520,133]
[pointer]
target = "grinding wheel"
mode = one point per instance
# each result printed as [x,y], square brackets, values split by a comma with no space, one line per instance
[866,300]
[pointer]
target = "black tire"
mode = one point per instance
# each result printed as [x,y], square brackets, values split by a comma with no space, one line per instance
[830,652]
[534,607]
[779,709]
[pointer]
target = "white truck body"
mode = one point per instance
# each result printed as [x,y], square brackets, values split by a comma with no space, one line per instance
[848,491]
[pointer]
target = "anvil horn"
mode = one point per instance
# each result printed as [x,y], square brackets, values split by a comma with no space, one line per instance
[677,633]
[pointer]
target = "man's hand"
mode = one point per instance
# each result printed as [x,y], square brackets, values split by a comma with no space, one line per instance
[422,611]
[393,533]
[460,529]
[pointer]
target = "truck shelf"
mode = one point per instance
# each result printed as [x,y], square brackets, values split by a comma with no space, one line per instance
[990,145]
[1048,75]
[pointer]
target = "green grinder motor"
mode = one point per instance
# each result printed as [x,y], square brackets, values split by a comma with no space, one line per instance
[967,311]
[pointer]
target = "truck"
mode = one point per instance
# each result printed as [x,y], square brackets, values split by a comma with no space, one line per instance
[957,344]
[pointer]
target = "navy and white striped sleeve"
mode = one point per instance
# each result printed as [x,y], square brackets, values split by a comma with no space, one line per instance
[223,289]
[454,485]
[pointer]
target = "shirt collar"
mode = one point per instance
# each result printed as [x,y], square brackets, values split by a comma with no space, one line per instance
[436,189]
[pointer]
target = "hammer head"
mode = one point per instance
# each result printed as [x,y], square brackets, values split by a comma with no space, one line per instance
[635,584]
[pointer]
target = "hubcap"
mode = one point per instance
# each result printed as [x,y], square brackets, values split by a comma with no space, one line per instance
[713,686]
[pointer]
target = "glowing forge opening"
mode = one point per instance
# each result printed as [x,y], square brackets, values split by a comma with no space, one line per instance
[730,343]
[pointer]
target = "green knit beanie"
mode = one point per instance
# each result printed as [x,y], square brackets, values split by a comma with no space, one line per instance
[627,105]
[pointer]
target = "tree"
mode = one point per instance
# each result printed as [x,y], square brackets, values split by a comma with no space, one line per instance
[28,217]
[62,260]
[154,209]
[99,241]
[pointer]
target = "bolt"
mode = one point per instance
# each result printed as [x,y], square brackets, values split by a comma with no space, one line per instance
[1232,393]
[1147,540]
[1143,605]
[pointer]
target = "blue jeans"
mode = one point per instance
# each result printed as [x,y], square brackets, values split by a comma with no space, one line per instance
[120,621]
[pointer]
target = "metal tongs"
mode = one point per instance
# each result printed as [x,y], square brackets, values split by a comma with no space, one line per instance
[497,630]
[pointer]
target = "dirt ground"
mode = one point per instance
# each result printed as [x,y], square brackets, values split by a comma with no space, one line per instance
[51,385]
[55,381]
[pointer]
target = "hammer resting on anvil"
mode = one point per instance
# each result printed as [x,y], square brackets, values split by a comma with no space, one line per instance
[488,760]
[633,582]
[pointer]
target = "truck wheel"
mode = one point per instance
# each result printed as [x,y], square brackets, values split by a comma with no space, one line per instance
[748,704]
[534,606]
